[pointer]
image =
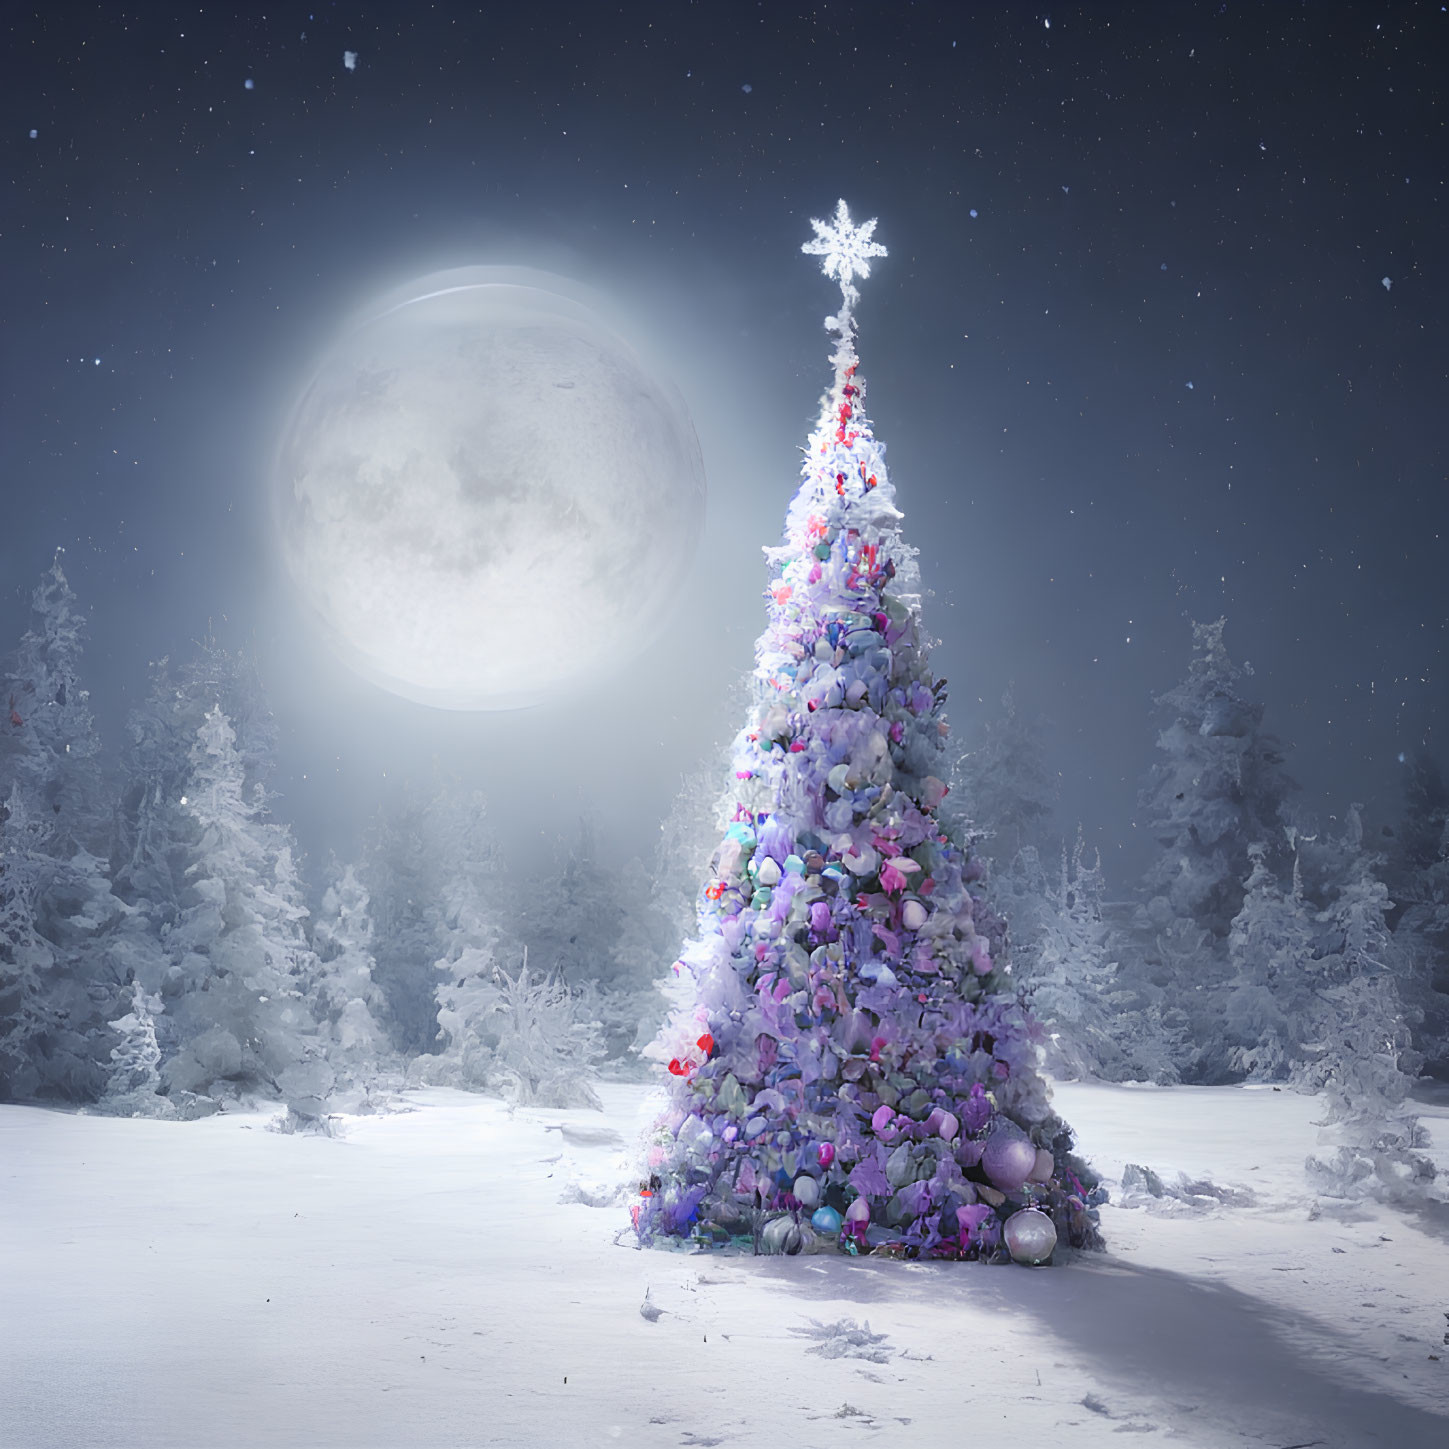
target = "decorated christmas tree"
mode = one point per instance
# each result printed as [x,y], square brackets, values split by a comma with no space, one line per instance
[849,1065]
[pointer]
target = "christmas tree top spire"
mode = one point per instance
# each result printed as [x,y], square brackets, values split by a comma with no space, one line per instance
[846,250]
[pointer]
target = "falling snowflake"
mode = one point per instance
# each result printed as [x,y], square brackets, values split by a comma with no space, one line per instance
[349,60]
[847,248]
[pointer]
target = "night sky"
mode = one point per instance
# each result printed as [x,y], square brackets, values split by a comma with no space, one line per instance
[1160,337]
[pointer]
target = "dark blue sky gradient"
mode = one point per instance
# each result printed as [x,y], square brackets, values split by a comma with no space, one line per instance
[1155,376]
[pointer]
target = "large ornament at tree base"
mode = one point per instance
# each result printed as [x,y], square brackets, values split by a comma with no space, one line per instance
[1030,1237]
[848,1063]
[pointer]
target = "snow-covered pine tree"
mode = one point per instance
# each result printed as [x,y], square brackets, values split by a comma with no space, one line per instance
[529,1035]
[846,1059]
[155,835]
[1275,977]
[1362,1053]
[60,906]
[239,992]
[594,925]
[134,1086]
[348,1001]
[1419,838]
[1218,788]
[29,1020]
[1423,932]
[50,743]
[1419,881]
[400,868]
[1060,960]
[1005,787]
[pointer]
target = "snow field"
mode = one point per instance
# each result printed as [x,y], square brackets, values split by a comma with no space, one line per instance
[213,1283]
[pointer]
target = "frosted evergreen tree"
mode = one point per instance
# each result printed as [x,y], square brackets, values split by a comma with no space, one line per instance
[348,1001]
[29,1021]
[1275,976]
[1423,930]
[155,834]
[595,925]
[573,913]
[847,1064]
[243,963]
[468,930]
[527,1034]
[1008,792]
[1362,1055]
[400,869]
[1419,840]
[59,986]
[1420,886]
[1060,960]
[134,1086]
[51,746]
[1218,788]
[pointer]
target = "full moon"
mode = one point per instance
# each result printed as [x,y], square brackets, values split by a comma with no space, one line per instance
[484,495]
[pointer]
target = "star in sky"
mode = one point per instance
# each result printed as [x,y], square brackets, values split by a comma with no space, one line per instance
[847,248]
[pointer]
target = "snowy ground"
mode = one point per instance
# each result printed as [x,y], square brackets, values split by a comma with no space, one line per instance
[438,1277]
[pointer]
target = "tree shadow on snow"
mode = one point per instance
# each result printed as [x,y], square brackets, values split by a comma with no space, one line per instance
[1190,1343]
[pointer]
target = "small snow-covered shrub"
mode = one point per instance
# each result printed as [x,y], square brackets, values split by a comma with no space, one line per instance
[527,1036]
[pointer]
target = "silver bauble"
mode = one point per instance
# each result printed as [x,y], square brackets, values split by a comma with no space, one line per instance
[1030,1236]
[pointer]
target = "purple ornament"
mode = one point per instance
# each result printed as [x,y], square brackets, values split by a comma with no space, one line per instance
[968,1154]
[1008,1159]
[976,1111]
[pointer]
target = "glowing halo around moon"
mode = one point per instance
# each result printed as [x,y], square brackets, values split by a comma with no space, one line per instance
[483,495]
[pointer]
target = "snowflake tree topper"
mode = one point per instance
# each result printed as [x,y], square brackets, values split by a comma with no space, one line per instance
[847,249]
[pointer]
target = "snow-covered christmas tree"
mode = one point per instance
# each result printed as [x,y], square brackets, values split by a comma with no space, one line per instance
[244,973]
[61,925]
[848,1063]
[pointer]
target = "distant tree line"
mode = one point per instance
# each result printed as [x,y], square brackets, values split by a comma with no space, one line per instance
[1260,946]
[159,953]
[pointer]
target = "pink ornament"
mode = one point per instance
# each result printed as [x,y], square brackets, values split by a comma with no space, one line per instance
[858,1211]
[825,1153]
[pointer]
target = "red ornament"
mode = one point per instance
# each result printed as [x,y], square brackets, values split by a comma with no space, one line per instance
[706,1044]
